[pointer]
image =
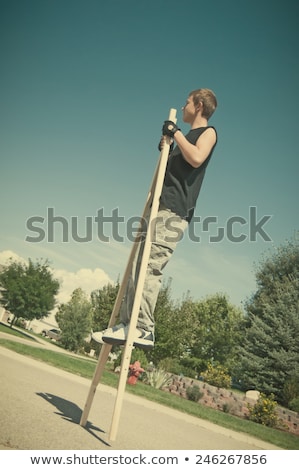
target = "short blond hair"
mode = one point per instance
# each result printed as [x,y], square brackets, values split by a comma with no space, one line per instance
[208,99]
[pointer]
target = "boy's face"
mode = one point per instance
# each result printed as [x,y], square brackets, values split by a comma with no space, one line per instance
[189,110]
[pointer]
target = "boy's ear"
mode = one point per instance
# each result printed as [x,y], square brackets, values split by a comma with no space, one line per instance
[199,107]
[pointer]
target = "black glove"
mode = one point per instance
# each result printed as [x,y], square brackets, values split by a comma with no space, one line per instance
[160,146]
[169,128]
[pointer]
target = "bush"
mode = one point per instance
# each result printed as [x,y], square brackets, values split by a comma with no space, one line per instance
[170,365]
[86,347]
[290,391]
[217,375]
[192,366]
[193,393]
[20,322]
[263,411]
[157,378]
[137,355]
[226,408]
[294,404]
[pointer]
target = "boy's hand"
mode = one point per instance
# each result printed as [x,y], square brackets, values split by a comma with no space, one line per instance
[162,143]
[169,128]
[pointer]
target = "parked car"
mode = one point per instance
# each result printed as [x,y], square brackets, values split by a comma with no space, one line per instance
[53,334]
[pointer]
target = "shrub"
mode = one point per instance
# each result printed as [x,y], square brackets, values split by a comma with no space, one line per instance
[176,367]
[294,404]
[20,322]
[193,393]
[226,408]
[263,411]
[217,375]
[170,365]
[86,347]
[290,391]
[157,378]
[192,366]
[137,355]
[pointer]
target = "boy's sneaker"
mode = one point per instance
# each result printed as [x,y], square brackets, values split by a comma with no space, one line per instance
[98,335]
[118,335]
[144,339]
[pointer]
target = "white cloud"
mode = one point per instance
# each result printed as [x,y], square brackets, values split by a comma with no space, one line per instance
[7,255]
[87,279]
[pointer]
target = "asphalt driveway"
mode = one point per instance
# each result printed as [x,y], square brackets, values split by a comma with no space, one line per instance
[41,407]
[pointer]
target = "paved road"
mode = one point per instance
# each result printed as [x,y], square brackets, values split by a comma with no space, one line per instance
[41,407]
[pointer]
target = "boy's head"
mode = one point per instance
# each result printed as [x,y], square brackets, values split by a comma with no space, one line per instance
[207,98]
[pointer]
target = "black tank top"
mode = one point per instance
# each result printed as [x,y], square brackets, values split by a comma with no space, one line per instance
[182,181]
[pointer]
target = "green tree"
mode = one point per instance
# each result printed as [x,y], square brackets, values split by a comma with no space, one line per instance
[74,319]
[103,301]
[29,290]
[269,352]
[163,326]
[217,331]
[195,333]
[174,327]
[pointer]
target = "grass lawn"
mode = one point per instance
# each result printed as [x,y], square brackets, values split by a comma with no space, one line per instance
[16,332]
[85,368]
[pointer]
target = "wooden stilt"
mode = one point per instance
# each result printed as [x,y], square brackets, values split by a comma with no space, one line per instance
[152,203]
[106,348]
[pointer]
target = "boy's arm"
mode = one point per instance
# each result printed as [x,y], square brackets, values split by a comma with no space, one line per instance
[196,154]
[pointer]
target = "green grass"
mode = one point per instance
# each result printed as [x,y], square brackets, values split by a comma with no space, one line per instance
[85,367]
[15,332]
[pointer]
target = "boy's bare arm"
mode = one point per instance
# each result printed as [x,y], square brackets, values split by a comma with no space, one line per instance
[196,154]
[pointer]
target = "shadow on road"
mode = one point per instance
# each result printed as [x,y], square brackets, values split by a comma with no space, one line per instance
[71,412]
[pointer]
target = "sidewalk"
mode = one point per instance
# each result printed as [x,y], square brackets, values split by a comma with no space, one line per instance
[41,407]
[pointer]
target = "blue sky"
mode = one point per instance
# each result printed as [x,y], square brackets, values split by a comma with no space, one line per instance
[85,87]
